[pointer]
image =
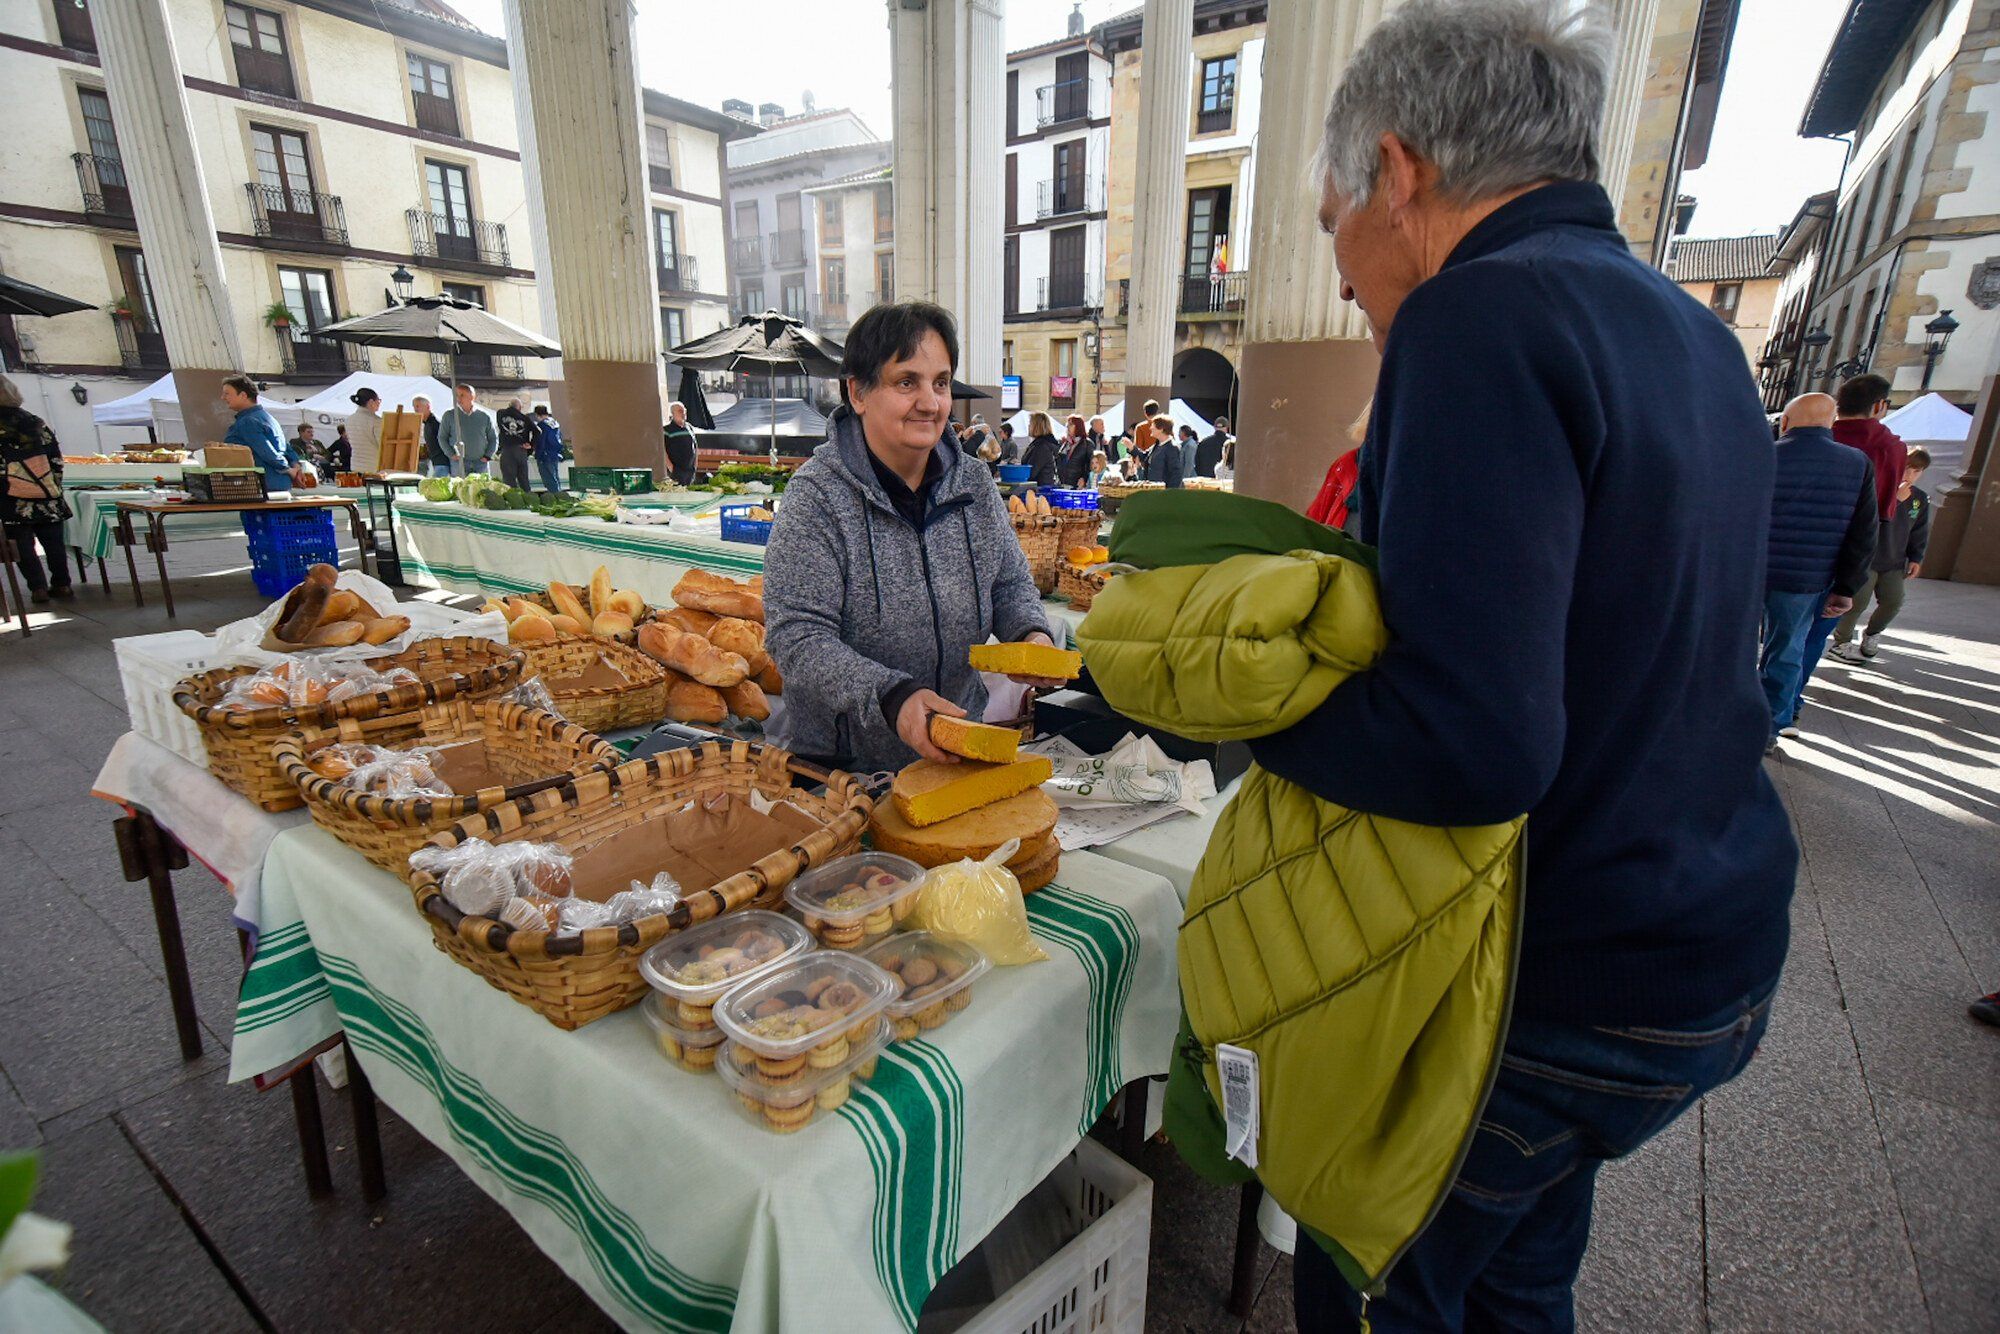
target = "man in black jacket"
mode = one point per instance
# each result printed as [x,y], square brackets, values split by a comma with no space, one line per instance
[1209,452]
[517,443]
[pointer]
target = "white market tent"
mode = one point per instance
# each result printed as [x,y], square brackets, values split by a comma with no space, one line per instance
[1940,427]
[1114,419]
[135,409]
[335,404]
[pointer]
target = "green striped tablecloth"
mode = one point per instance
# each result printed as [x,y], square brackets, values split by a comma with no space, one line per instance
[648,1185]
[93,523]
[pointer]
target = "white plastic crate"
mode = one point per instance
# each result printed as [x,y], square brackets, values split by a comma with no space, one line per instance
[149,667]
[1097,1283]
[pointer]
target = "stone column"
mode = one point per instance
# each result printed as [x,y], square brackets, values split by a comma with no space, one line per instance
[1308,362]
[949,62]
[1632,57]
[170,203]
[1965,524]
[538,242]
[1159,200]
[587,163]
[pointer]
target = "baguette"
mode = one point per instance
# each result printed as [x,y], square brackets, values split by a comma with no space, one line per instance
[568,603]
[691,655]
[770,680]
[688,619]
[722,595]
[321,573]
[302,612]
[382,629]
[341,605]
[337,634]
[693,702]
[747,701]
[600,591]
[732,634]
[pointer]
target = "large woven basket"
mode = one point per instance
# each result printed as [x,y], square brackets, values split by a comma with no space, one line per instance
[532,749]
[573,978]
[1076,528]
[1079,585]
[239,741]
[1040,537]
[641,701]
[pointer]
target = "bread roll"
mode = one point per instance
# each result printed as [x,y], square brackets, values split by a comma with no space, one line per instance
[564,625]
[302,612]
[383,629]
[321,573]
[609,624]
[600,591]
[720,594]
[770,681]
[691,655]
[693,702]
[519,607]
[733,634]
[688,619]
[531,629]
[745,700]
[336,634]
[341,605]
[629,602]
[568,603]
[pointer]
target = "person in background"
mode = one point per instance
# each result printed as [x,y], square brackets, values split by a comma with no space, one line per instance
[468,432]
[1163,456]
[1043,451]
[1899,555]
[1100,470]
[1225,468]
[364,430]
[1101,442]
[1333,504]
[1823,529]
[1863,402]
[1077,448]
[305,448]
[1142,434]
[973,439]
[681,451]
[516,443]
[340,453]
[435,453]
[1190,444]
[1208,454]
[33,509]
[549,447]
[1010,448]
[257,431]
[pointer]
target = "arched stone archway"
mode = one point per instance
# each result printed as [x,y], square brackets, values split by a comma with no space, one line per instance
[1206,382]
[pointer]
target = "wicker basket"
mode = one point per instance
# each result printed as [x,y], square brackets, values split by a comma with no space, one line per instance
[1040,537]
[573,978]
[533,749]
[1076,528]
[239,741]
[640,702]
[1079,585]
[548,604]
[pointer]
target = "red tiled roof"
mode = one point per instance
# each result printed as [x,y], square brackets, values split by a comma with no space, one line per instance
[1721,259]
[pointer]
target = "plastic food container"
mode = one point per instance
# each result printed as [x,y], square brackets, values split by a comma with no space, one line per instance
[933,977]
[690,1048]
[789,1104]
[691,969]
[849,902]
[808,1015]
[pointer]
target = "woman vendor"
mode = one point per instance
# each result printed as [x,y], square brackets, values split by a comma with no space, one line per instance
[891,557]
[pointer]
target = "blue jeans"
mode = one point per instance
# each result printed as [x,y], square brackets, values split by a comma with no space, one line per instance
[1788,625]
[1815,648]
[551,470]
[1503,1252]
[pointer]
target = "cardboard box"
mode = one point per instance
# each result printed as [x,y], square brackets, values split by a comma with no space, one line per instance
[218,455]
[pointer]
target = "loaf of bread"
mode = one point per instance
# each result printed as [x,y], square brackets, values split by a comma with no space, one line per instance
[693,702]
[568,603]
[720,594]
[733,634]
[770,680]
[688,619]
[747,701]
[691,655]
[302,611]
[383,629]
[336,634]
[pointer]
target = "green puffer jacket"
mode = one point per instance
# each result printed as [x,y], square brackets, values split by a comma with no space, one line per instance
[1367,962]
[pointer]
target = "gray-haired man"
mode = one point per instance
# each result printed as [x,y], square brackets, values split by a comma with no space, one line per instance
[1573,596]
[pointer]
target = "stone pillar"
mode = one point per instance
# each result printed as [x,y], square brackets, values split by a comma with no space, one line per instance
[1965,526]
[1308,362]
[170,203]
[587,163]
[538,242]
[949,62]
[1159,200]
[1633,22]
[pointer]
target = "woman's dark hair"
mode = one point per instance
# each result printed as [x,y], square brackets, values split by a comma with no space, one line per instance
[361,398]
[893,332]
[1858,396]
[242,384]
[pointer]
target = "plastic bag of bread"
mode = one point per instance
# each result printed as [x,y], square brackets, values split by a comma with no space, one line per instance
[979,903]
[400,773]
[295,683]
[521,884]
[628,905]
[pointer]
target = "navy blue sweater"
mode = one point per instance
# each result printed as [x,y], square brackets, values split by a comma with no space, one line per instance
[1569,481]
[1823,515]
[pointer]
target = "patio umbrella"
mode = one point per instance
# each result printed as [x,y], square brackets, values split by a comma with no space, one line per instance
[960,390]
[695,401]
[767,345]
[19,298]
[440,324]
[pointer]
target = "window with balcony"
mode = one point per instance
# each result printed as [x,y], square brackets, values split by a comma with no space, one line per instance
[794,295]
[659,158]
[1062,373]
[833,286]
[673,327]
[73,25]
[284,204]
[101,171]
[830,228]
[1723,299]
[450,221]
[1068,98]
[746,239]
[788,243]
[675,270]
[1065,268]
[431,95]
[1066,185]
[308,294]
[257,37]
[1216,107]
[885,277]
[141,346]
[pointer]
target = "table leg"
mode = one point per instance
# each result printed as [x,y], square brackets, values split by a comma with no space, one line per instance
[14,586]
[156,538]
[1132,1119]
[312,1130]
[1243,1273]
[127,540]
[150,853]
[367,1129]
[102,577]
[360,538]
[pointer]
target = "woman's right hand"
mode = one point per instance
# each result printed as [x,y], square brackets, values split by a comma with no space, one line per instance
[913,723]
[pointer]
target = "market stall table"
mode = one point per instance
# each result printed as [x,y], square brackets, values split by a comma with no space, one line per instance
[157,512]
[647,1184]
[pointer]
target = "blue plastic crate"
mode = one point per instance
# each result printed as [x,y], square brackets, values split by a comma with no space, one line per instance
[737,528]
[285,543]
[1069,500]
[276,576]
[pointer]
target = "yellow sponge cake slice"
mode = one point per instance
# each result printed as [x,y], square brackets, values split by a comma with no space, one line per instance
[975,741]
[1028,816]
[1027,660]
[927,792]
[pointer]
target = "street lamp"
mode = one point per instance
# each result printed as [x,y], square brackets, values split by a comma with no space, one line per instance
[1936,335]
[405,283]
[1815,342]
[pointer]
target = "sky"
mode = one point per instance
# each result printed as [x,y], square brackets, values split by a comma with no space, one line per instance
[1758,173]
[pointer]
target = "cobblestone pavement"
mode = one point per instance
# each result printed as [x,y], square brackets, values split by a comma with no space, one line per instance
[1846,1182]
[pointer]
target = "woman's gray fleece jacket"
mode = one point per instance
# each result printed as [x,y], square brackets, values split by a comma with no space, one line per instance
[856,601]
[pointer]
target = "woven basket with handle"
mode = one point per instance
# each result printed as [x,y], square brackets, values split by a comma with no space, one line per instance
[531,749]
[571,978]
[1079,585]
[548,604]
[1040,536]
[640,701]
[1076,528]
[238,741]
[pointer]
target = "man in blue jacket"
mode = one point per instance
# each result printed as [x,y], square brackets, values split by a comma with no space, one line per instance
[1573,606]
[1823,521]
[257,431]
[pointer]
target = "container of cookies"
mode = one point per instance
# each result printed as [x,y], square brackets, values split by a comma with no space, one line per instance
[690,1048]
[689,971]
[933,977]
[854,901]
[808,1015]
[784,1106]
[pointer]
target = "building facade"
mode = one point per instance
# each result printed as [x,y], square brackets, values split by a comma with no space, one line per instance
[1912,227]
[854,245]
[1213,266]
[1732,276]
[1795,260]
[1058,136]
[340,141]
[686,163]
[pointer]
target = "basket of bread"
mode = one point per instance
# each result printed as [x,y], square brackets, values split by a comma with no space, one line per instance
[1039,532]
[555,898]
[385,785]
[712,644]
[320,614]
[240,711]
[598,609]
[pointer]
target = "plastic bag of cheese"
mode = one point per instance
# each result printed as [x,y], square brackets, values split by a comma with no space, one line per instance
[979,903]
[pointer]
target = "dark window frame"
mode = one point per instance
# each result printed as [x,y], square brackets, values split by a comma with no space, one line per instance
[432,111]
[73,26]
[1215,100]
[260,72]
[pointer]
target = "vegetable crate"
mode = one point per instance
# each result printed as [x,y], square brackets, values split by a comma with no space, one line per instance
[1069,500]
[283,544]
[149,667]
[738,526]
[620,481]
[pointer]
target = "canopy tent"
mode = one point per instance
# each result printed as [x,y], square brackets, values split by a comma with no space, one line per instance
[767,345]
[1940,427]
[1114,419]
[333,405]
[135,409]
[771,416]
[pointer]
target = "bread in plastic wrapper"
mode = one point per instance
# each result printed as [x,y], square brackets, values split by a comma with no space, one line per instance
[484,879]
[533,693]
[627,905]
[980,903]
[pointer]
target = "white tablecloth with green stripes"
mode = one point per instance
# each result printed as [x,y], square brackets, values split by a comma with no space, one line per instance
[648,1185]
[93,524]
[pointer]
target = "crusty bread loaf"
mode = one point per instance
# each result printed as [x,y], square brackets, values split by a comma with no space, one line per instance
[382,629]
[336,634]
[688,619]
[692,702]
[720,594]
[747,701]
[691,655]
[302,612]
[568,603]
[733,634]
[771,681]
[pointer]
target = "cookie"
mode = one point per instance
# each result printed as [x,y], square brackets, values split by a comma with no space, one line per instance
[783,1071]
[959,999]
[933,1015]
[699,1058]
[907,1029]
[878,922]
[833,1095]
[694,1016]
[828,1054]
[785,1120]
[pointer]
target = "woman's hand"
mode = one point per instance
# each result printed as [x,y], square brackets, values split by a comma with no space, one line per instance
[1039,682]
[913,723]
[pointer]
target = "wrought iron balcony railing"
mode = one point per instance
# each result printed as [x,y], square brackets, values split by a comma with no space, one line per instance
[478,368]
[788,248]
[1063,195]
[749,251]
[139,349]
[101,181]
[1068,100]
[684,275]
[1067,292]
[296,215]
[446,236]
[1217,294]
[306,355]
